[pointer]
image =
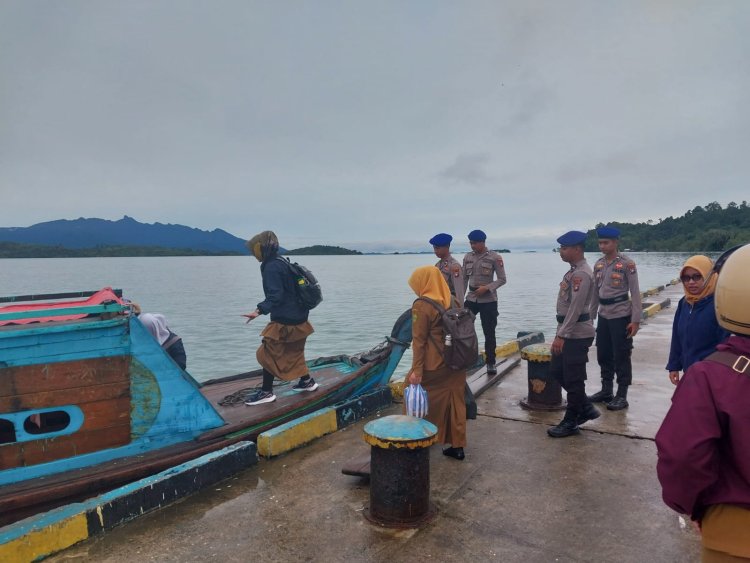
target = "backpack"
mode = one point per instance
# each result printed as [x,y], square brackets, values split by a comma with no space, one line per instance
[458,323]
[306,284]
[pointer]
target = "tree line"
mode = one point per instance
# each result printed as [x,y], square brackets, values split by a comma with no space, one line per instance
[711,228]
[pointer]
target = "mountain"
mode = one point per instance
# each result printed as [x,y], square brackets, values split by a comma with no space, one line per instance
[89,233]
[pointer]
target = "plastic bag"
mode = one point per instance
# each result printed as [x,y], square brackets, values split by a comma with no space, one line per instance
[415,398]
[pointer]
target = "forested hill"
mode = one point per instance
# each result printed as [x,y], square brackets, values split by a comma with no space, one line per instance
[709,228]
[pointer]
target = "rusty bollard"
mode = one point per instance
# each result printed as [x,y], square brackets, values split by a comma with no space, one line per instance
[545,393]
[400,471]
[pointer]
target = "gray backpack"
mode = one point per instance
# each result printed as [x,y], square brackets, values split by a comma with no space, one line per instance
[458,323]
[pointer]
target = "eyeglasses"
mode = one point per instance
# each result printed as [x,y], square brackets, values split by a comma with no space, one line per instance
[694,277]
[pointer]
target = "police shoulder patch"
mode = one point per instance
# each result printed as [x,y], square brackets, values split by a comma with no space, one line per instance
[577,280]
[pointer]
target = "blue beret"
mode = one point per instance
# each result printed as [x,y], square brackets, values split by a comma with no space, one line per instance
[441,239]
[572,238]
[477,236]
[608,232]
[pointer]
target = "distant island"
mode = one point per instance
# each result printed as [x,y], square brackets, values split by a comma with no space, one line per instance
[18,250]
[322,250]
[711,228]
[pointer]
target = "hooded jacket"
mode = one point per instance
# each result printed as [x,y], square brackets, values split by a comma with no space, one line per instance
[281,295]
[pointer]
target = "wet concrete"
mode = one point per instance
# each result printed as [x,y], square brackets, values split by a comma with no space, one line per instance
[518,496]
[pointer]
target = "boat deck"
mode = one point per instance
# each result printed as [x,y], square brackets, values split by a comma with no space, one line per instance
[333,380]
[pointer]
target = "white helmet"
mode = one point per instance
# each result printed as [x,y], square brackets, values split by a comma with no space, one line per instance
[732,297]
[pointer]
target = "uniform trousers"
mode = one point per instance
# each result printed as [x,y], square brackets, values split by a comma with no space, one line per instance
[569,369]
[488,315]
[613,349]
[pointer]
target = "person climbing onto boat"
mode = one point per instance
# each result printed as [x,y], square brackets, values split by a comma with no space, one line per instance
[156,324]
[444,386]
[282,349]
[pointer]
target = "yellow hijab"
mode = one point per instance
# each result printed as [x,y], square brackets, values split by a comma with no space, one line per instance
[703,264]
[427,281]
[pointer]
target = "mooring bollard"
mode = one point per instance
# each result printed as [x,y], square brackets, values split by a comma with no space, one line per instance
[400,470]
[545,393]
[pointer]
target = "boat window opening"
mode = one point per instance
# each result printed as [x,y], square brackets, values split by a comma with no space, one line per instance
[7,431]
[46,422]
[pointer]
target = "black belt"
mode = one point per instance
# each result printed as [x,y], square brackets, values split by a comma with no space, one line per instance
[582,318]
[474,288]
[613,300]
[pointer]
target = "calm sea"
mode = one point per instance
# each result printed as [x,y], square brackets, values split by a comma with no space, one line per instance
[203,297]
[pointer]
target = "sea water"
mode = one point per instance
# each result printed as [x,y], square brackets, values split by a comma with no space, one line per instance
[204,297]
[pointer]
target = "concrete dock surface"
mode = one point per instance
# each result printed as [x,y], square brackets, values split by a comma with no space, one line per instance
[519,496]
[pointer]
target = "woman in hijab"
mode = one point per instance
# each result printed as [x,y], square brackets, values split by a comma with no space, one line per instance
[695,332]
[444,386]
[282,350]
[156,324]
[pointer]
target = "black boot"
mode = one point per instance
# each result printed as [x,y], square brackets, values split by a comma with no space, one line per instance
[621,399]
[586,413]
[491,369]
[603,396]
[567,427]
[455,453]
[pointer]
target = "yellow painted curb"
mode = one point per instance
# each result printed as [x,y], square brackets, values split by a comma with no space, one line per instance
[652,310]
[288,437]
[46,541]
[507,349]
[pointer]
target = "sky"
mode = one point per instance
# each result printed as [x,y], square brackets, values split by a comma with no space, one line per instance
[373,125]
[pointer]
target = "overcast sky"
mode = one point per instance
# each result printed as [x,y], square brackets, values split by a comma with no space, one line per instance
[373,124]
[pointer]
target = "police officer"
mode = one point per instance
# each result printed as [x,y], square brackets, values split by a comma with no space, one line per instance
[449,266]
[481,265]
[619,318]
[576,307]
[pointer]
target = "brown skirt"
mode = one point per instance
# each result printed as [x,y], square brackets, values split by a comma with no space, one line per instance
[725,533]
[445,404]
[282,350]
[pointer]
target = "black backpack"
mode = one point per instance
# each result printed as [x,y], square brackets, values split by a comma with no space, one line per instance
[309,294]
[458,322]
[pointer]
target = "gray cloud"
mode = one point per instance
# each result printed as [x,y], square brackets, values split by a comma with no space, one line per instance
[468,169]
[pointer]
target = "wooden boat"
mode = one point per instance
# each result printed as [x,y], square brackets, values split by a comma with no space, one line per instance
[89,400]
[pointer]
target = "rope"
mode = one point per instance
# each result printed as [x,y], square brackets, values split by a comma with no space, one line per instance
[240,396]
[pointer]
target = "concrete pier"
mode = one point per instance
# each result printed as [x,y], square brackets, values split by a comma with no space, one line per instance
[519,496]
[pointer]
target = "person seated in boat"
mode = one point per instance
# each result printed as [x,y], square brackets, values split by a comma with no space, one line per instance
[282,349]
[156,324]
[444,386]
